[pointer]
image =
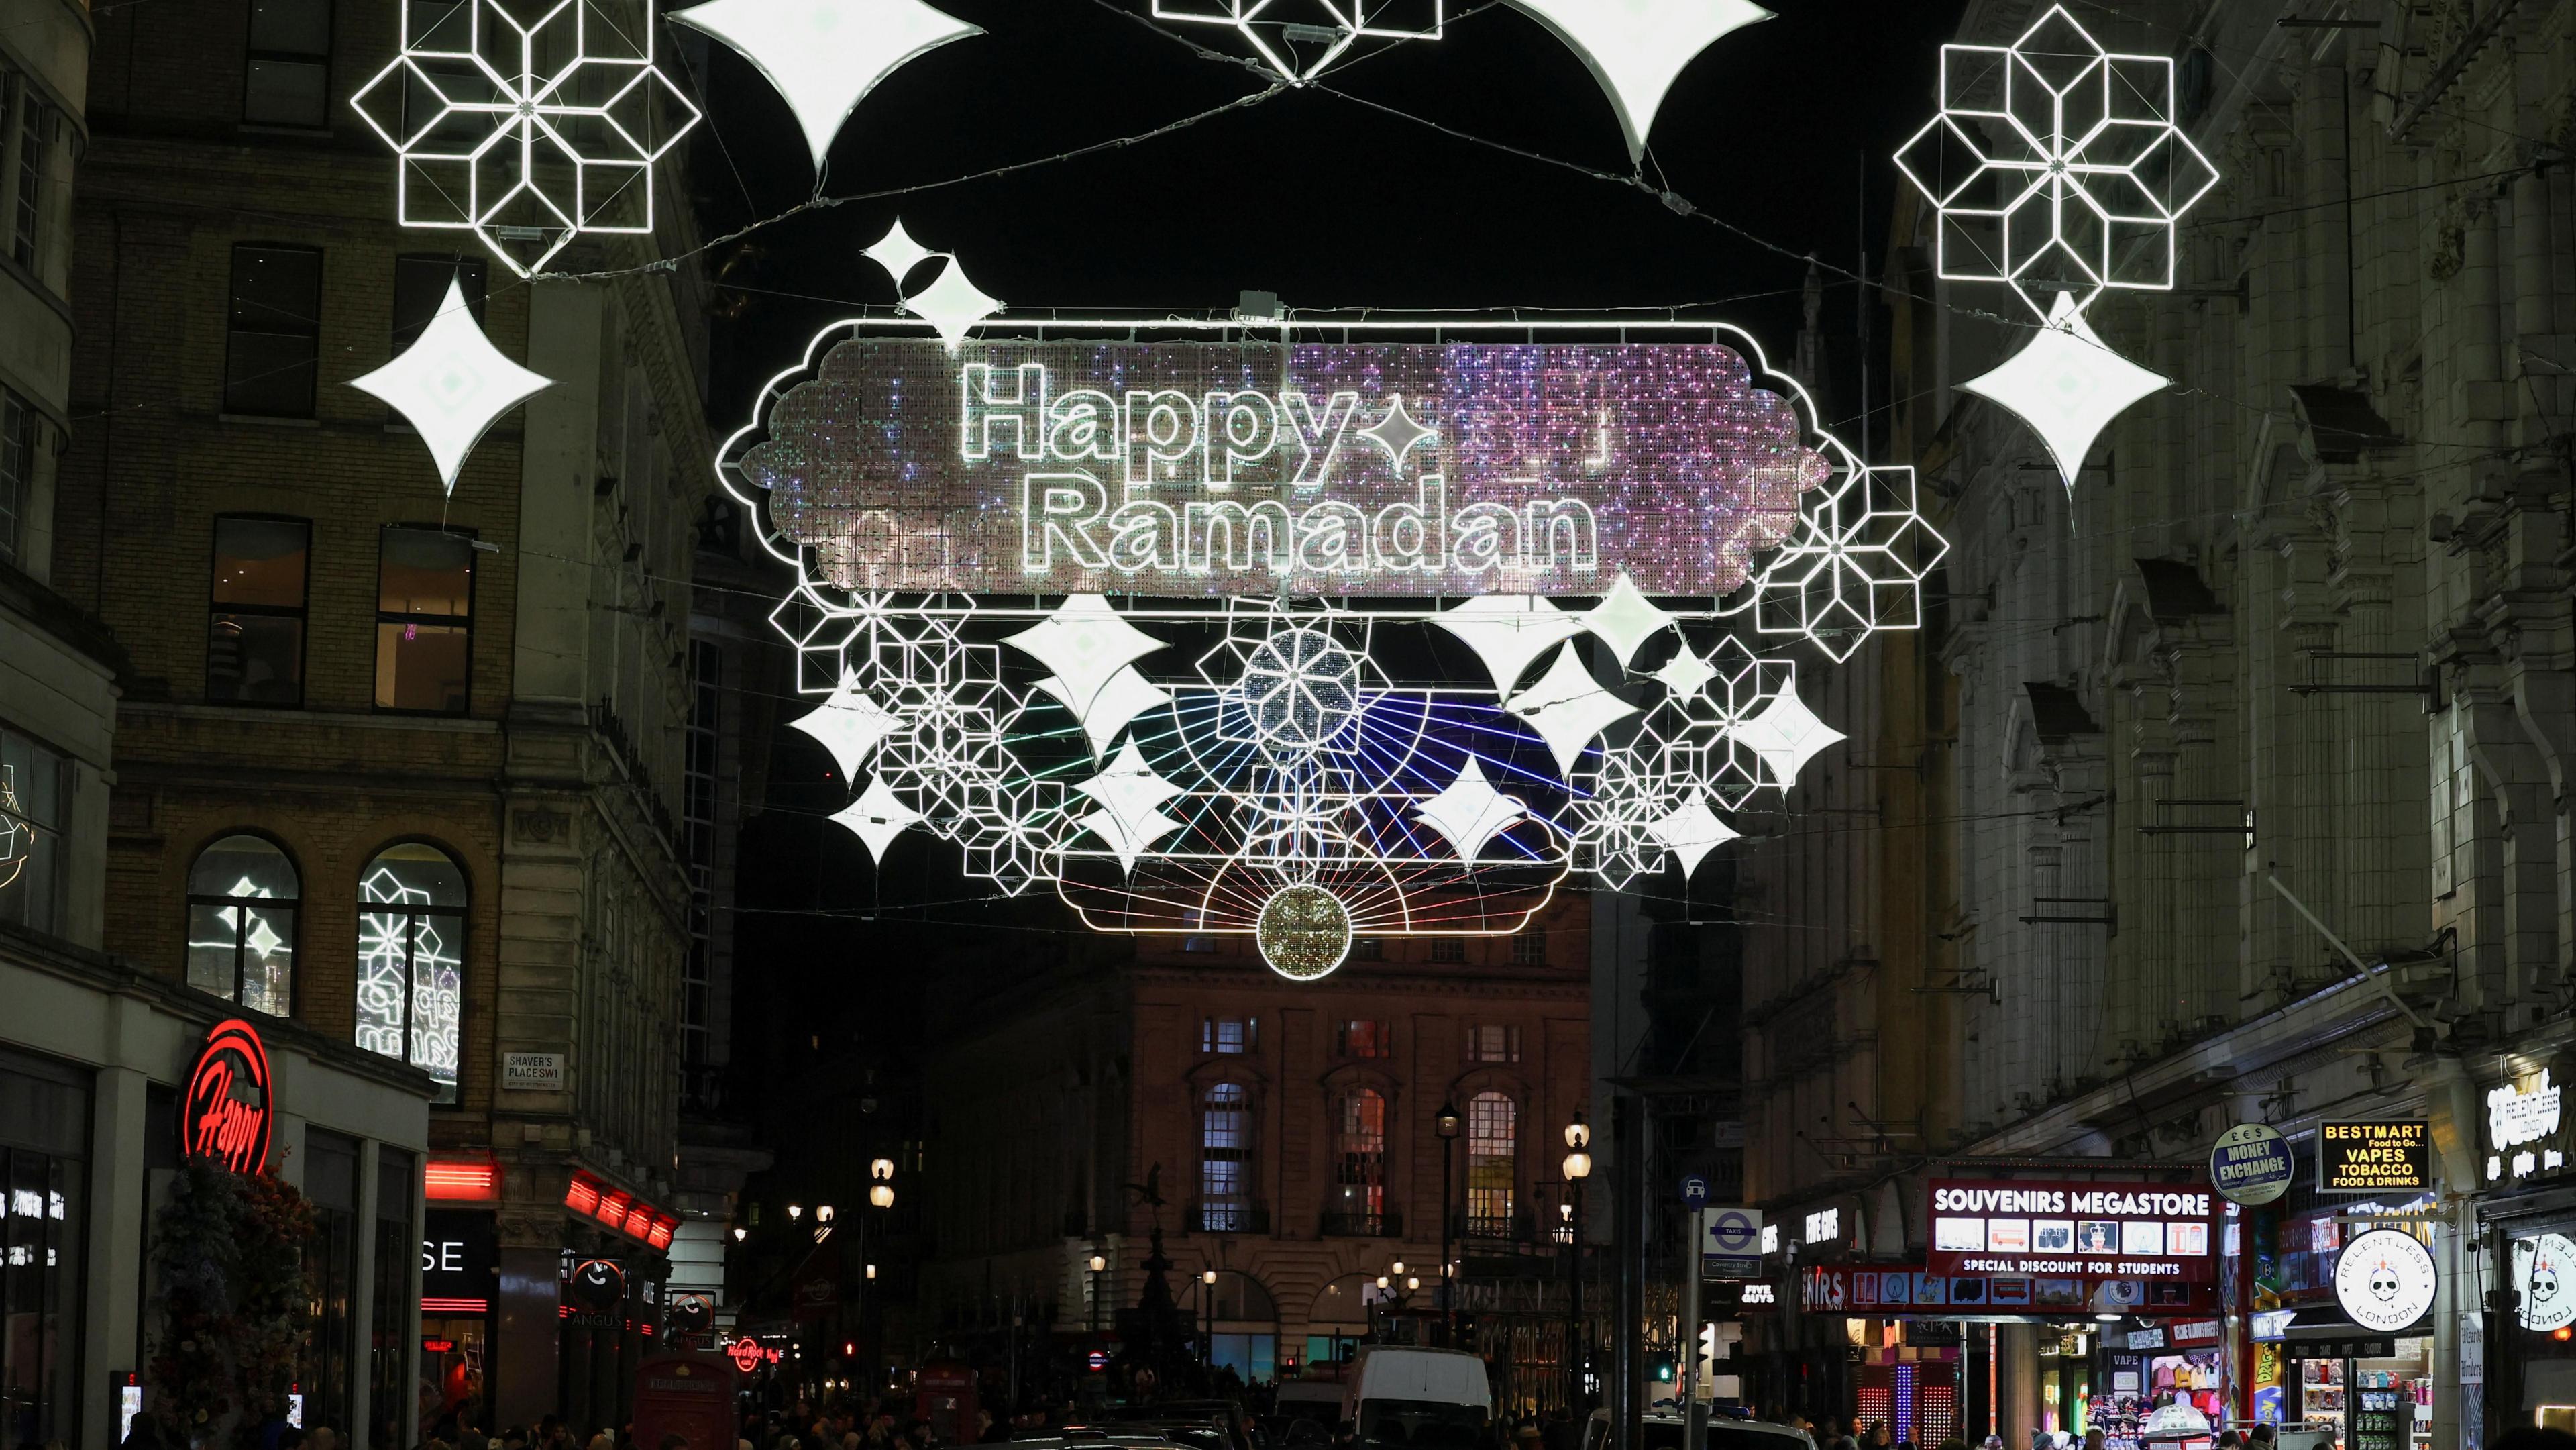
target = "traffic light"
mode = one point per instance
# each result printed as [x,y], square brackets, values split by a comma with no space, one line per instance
[1707,1352]
[1664,1369]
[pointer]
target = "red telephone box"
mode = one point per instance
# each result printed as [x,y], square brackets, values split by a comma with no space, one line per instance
[947,1401]
[689,1392]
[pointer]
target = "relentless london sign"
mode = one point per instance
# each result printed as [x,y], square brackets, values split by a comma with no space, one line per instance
[1223,468]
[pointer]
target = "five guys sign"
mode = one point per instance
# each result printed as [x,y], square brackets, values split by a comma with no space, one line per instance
[224,1113]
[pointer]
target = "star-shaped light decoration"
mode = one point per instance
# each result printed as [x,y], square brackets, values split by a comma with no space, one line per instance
[1397,433]
[1637,48]
[1470,812]
[1334,26]
[851,725]
[451,385]
[1126,695]
[1083,643]
[951,304]
[2068,385]
[1786,735]
[1625,619]
[1507,631]
[877,817]
[1685,674]
[2056,166]
[824,56]
[898,253]
[1568,707]
[1854,567]
[1692,830]
[1131,796]
[526,135]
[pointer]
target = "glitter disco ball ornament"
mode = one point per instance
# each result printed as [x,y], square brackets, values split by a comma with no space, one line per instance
[1304,932]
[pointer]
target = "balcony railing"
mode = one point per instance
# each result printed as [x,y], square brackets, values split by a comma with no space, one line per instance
[1239,1216]
[1512,1227]
[1341,1223]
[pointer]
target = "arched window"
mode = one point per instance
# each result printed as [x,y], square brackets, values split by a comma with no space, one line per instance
[1225,1160]
[241,924]
[411,959]
[1492,1156]
[1359,1164]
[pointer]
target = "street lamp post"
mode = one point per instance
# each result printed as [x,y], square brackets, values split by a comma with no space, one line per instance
[1207,1320]
[881,1198]
[1098,1263]
[1578,1166]
[1446,1124]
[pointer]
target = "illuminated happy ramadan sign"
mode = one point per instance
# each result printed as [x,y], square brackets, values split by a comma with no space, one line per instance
[1196,468]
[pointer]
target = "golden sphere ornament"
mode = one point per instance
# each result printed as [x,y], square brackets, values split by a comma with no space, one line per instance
[1304,932]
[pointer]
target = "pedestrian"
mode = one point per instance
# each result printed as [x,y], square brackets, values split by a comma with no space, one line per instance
[1875,1437]
[675,1441]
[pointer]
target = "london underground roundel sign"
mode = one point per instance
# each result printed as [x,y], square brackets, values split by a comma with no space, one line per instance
[2384,1281]
[225,1112]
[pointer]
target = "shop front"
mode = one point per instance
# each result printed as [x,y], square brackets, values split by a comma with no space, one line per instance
[2527,1239]
[110,1079]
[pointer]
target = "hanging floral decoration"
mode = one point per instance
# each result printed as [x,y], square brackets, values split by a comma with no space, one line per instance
[235,1302]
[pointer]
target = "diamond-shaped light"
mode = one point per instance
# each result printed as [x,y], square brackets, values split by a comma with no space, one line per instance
[1507,631]
[952,305]
[451,385]
[1625,619]
[1568,707]
[1636,49]
[1084,643]
[877,817]
[1692,830]
[1470,812]
[824,56]
[2067,385]
[1786,735]
[851,724]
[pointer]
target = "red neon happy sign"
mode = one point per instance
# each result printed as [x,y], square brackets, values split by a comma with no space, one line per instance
[224,1115]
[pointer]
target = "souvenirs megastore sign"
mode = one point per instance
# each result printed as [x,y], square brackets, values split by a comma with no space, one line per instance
[2140,1231]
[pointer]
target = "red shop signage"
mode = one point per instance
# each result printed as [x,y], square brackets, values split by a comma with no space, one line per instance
[224,1114]
[2150,1232]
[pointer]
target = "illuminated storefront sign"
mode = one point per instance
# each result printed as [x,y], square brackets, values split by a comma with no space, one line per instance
[2250,1163]
[2114,1231]
[2544,1282]
[225,1112]
[2375,1156]
[2523,1128]
[1902,1291]
[2384,1281]
[1222,468]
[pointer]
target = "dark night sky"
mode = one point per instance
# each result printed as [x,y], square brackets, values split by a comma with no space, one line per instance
[1776,128]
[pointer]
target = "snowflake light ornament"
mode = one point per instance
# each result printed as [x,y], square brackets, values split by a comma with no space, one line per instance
[1856,568]
[1297,39]
[527,135]
[2057,168]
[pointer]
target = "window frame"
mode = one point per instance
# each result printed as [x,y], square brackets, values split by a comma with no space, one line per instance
[1235,1208]
[33,127]
[462,913]
[44,916]
[1493,1224]
[1212,1041]
[464,621]
[1361,1167]
[20,429]
[252,56]
[1449,951]
[233,329]
[192,899]
[302,613]
[1529,949]
[476,302]
[1381,1032]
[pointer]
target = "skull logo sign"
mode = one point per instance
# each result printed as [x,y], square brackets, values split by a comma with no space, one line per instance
[2384,1280]
[2537,1264]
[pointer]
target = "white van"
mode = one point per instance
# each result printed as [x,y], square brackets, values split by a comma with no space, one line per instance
[1422,1399]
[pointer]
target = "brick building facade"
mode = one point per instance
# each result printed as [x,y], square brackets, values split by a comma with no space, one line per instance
[441,737]
[1290,1129]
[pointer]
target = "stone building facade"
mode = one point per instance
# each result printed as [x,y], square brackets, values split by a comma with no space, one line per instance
[1291,1130]
[2247,747]
[442,734]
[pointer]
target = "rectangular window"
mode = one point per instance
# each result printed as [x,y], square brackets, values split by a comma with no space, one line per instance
[1229,1034]
[1362,1038]
[420,289]
[331,1276]
[700,769]
[33,784]
[1529,949]
[1368,949]
[1493,1042]
[255,640]
[1449,949]
[44,1131]
[286,80]
[273,331]
[424,620]
[34,122]
[17,475]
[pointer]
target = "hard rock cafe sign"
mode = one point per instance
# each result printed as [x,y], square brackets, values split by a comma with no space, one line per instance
[225,1112]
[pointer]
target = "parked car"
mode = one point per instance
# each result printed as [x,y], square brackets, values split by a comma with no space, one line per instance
[1428,1399]
[1662,1429]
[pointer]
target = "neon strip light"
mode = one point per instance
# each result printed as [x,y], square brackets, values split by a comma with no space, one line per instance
[461,1182]
[431,1304]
